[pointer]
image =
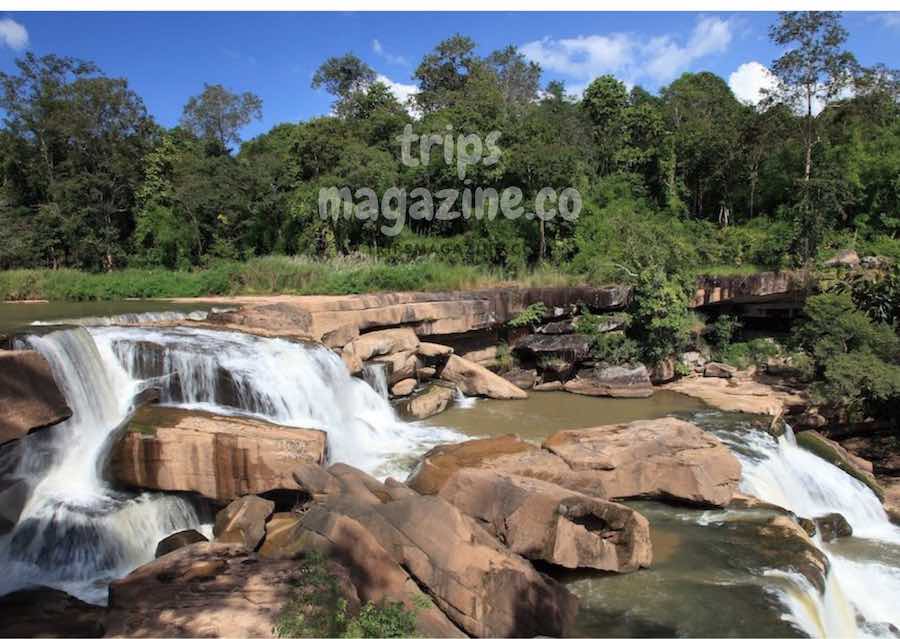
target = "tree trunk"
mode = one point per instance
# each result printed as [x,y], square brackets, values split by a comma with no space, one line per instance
[809,138]
[541,250]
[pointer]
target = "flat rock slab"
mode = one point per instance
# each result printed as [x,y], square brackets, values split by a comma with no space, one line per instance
[29,396]
[474,379]
[219,457]
[209,590]
[571,348]
[612,381]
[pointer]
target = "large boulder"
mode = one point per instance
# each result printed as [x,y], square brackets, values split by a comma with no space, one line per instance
[215,590]
[523,378]
[846,258]
[545,522]
[45,612]
[834,453]
[384,342]
[29,396]
[219,457]
[433,400]
[473,379]
[403,387]
[666,458]
[612,381]
[570,348]
[243,521]
[178,540]
[790,547]
[479,584]
[718,369]
[832,526]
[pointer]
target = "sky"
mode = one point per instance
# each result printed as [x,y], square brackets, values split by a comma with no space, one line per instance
[167,57]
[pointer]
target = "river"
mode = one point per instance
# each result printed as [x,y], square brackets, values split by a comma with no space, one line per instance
[711,575]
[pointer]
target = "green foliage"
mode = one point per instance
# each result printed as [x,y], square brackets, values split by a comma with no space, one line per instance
[661,320]
[722,331]
[756,352]
[878,294]
[505,358]
[615,348]
[317,609]
[856,360]
[531,316]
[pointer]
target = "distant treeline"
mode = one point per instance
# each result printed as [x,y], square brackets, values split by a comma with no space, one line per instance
[685,179]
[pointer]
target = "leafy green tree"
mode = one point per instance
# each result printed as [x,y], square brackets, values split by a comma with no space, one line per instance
[518,78]
[605,101]
[443,74]
[343,77]
[217,114]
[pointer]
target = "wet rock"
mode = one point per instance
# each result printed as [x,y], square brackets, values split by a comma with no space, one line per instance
[892,498]
[791,549]
[385,342]
[523,378]
[214,590]
[29,396]
[847,258]
[243,522]
[433,400]
[877,452]
[219,457]
[403,388]
[832,526]
[555,385]
[718,369]
[543,521]
[808,526]
[14,495]
[570,348]
[612,381]
[353,363]
[400,365]
[424,373]
[178,540]
[45,612]
[473,379]
[834,453]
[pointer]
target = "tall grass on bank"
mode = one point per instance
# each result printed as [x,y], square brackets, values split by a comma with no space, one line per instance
[260,276]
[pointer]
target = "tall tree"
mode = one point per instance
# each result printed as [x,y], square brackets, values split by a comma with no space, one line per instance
[519,78]
[815,68]
[343,77]
[443,73]
[218,115]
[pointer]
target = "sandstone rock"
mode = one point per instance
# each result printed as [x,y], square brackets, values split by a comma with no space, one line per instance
[424,373]
[792,548]
[212,590]
[403,388]
[178,540]
[14,494]
[243,522]
[847,258]
[832,526]
[283,318]
[480,585]
[45,612]
[717,369]
[542,521]
[473,379]
[612,381]
[353,362]
[747,396]
[281,540]
[663,371]
[486,357]
[216,456]
[877,452]
[400,365]
[892,498]
[385,342]
[664,458]
[29,396]
[693,358]
[378,577]
[434,352]
[433,400]
[523,378]
[742,289]
[555,385]
[562,327]
[571,348]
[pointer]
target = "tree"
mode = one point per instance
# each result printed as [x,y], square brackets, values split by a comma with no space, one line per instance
[814,70]
[605,101]
[343,77]
[218,115]
[519,78]
[443,73]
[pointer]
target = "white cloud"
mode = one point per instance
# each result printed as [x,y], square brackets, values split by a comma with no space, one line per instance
[401,91]
[628,55]
[378,48]
[890,19]
[13,34]
[749,80]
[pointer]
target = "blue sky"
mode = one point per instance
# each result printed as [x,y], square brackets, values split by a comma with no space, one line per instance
[168,56]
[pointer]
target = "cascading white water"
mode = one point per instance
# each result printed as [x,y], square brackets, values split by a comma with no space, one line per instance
[861,595]
[75,532]
[130,318]
[375,375]
[279,380]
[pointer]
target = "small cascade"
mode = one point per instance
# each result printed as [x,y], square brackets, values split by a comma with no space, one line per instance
[861,595]
[375,375]
[130,318]
[75,532]
[282,381]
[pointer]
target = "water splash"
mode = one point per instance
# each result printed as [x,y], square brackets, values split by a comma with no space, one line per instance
[375,375]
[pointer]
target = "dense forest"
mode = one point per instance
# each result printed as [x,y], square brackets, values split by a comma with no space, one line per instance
[690,178]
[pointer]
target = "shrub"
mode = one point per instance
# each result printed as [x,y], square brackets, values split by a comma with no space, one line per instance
[531,316]
[722,331]
[661,321]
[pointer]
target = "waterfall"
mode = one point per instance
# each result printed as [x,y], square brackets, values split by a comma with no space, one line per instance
[131,318]
[375,375]
[75,531]
[861,595]
[282,381]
